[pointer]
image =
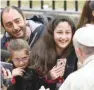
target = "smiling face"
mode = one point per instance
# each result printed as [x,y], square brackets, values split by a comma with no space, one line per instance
[14,23]
[62,35]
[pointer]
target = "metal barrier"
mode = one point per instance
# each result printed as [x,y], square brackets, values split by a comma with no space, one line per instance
[53,6]
[42,3]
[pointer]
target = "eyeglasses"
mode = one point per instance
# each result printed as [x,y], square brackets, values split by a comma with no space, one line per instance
[24,59]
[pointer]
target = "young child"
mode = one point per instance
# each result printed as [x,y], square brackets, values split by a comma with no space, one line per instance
[29,75]
[19,50]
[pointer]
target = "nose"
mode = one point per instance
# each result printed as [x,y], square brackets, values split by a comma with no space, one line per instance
[63,36]
[21,62]
[15,26]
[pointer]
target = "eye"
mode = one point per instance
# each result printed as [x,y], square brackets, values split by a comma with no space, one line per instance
[16,60]
[9,25]
[25,57]
[17,21]
[68,32]
[59,32]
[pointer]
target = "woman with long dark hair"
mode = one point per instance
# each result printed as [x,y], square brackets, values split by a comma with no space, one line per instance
[53,56]
[87,15]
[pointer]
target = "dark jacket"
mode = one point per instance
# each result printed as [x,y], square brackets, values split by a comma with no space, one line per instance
[35,35]
[30,81]
[27,82]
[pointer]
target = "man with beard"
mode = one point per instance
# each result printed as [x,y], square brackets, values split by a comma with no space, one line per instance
[16,26]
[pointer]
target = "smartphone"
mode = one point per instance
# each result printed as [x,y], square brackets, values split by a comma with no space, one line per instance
[6,65]
[61,62]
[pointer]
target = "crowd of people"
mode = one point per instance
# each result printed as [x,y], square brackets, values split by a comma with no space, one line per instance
[52,56]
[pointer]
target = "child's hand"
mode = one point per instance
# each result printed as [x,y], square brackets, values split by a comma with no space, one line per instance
[17,72]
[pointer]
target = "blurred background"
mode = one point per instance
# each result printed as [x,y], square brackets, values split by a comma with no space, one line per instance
[72,8]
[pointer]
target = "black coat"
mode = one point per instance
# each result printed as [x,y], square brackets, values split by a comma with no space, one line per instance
[28,82]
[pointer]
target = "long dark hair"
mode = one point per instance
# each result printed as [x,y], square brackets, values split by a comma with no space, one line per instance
[53,24]
[43,55]
[86,15]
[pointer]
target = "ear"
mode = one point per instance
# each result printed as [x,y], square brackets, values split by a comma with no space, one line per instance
[79,52]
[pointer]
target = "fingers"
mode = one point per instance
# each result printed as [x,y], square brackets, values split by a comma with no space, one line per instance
[20,70]
[17,72]
[20,73]
[6,73]
[57,71]
[60,74]
[9,73]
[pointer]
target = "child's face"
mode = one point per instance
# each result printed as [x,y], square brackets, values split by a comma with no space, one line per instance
[62,35]
[20,58]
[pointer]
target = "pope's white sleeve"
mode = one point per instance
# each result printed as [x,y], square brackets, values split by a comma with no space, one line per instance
[67,83]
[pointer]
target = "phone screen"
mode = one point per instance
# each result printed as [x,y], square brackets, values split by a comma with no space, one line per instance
[7,65]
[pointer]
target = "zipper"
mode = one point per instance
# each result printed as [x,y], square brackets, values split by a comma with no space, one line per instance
[33,39]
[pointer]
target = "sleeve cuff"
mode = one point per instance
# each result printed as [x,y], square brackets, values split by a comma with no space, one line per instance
[59,79]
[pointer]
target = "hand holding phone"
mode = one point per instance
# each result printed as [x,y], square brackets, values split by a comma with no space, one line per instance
[59,69]
[6,65]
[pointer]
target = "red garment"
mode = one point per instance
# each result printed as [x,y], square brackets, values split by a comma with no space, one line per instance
[13,80]
[58,80]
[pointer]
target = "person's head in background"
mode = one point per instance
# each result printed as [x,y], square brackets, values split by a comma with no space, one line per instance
[13,21]
[87,15]
[19,50]
[83,43]
[61,30]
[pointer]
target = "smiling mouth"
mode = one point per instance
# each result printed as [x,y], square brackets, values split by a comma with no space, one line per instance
[63,41]
[18,33]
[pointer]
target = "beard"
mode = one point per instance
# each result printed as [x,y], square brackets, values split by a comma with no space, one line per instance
[15,37]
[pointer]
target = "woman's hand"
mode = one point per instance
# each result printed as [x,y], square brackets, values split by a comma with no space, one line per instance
[58,70]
